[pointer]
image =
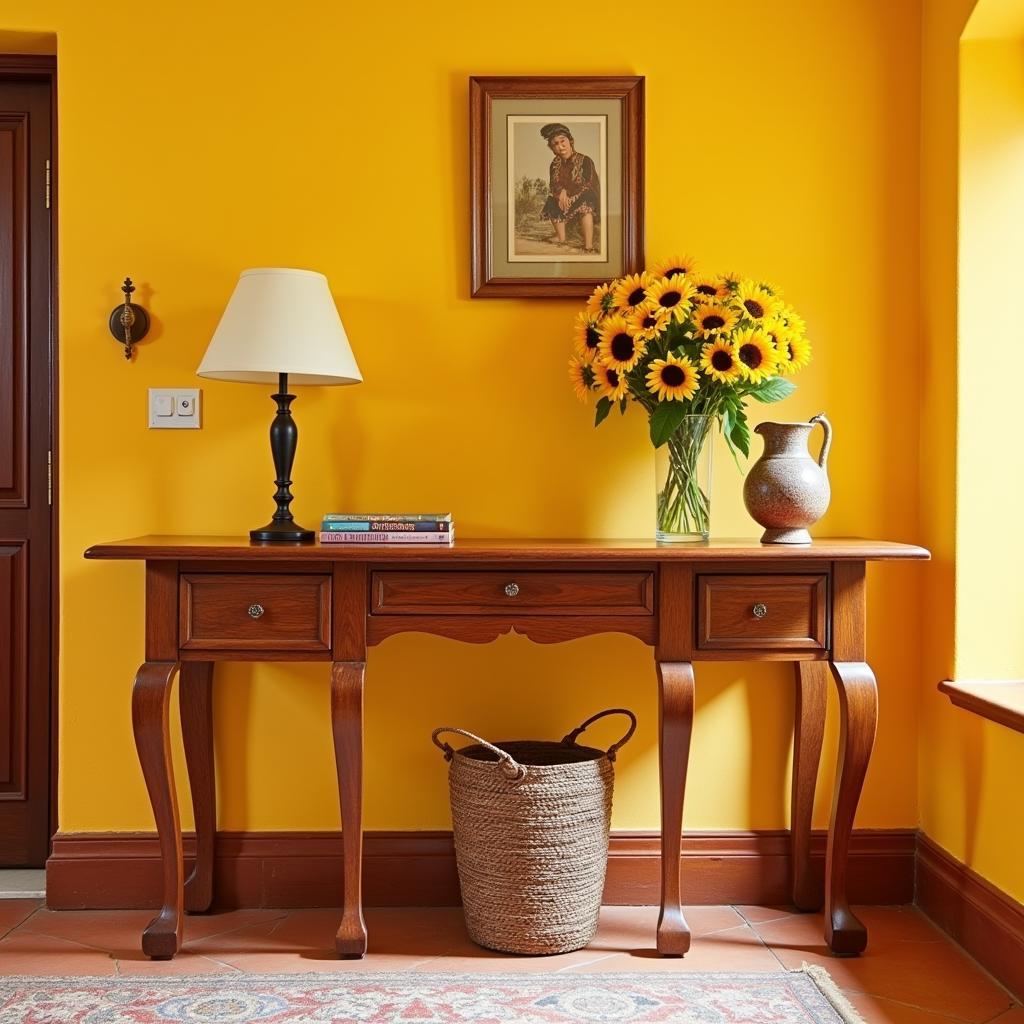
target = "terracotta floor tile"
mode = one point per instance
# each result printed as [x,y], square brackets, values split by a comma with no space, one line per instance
[186,962]
[487,961]
[931,975]
[758,914]
[735,949]
[1014,1016]
[119,932]
[15,912]
[876,1010]
[25,953]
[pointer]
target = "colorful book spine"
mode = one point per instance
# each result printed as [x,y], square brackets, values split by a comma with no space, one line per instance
[377,517]
[375,537]
[386,526]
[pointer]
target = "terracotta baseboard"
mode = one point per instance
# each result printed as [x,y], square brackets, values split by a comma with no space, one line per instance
[987,922]
[304,869]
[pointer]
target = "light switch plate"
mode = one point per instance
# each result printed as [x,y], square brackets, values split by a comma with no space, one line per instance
[184,406]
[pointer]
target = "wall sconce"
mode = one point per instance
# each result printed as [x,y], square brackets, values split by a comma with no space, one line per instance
[129,323]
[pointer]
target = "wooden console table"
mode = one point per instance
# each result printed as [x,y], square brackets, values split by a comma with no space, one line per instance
[214,599]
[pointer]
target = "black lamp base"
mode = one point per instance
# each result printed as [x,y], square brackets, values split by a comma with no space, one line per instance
[283,437]
[277,530]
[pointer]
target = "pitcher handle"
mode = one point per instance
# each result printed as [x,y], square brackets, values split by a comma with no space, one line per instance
[827,442]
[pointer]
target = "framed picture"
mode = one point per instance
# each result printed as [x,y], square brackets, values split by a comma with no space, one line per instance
[557,179]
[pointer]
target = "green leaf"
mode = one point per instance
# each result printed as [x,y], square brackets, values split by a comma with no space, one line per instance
[665,420]
[740,437]
[623,406]
[604,406]
[773,390]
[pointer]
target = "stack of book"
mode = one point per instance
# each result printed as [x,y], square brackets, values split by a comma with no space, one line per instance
[364,528]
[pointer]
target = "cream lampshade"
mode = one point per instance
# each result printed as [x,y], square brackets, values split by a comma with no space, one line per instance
[281,323]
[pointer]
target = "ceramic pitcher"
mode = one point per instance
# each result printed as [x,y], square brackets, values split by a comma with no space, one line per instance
[786,490]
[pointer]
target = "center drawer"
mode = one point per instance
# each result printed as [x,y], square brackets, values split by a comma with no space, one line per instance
[512,592]
[255,612]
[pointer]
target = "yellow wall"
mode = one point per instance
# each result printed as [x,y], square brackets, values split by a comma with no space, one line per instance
[973,247]
[782,139]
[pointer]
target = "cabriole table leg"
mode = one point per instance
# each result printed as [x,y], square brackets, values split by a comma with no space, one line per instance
[151,723]
[809,728]
[675,717]
[347,721]
[858,708]
[195,696]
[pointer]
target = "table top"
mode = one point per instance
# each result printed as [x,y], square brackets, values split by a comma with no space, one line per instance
[500,549]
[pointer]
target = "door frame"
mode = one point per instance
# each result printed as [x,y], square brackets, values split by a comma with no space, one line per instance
[43,67]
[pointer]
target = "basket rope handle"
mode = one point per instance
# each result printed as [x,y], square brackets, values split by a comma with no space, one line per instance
[512,768]
[614,748]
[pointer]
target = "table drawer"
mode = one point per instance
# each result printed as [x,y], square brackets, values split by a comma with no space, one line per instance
[767,612]
[255,612]
[512,592]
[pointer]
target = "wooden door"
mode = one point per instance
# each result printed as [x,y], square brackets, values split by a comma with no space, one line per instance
[26,403]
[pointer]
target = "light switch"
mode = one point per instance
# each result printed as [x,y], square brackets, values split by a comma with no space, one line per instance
[174,408]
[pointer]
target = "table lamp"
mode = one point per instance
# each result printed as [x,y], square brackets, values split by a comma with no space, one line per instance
[281,323]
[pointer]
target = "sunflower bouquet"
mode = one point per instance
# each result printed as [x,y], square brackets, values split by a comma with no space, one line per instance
[691,349]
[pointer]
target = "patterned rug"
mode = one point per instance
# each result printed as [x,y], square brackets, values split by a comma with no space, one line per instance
[795,997]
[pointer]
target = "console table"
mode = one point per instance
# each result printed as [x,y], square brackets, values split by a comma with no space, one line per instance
[214,599]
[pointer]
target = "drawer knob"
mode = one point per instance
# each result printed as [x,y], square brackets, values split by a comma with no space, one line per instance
[255,611]
[760,610]
[511,589]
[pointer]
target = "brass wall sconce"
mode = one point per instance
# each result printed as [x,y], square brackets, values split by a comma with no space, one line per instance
[129,323]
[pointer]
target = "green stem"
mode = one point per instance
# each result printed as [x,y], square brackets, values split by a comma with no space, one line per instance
[683,506]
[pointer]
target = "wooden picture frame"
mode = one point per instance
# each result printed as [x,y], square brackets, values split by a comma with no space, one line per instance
[527,241]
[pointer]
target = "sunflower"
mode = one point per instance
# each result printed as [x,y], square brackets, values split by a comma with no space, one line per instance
[708,290]
[672,378]
[609,382]
[630,291]
[674,265]
[756,302]
[672,294]
[731,280]
[792,351]
[596,305]
[719,361]
[581,376]
[587,334]
[756,354]
[789,317]
[618,348]
[647,321]
[711,320]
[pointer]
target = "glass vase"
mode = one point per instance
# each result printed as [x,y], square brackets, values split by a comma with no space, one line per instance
[683,479]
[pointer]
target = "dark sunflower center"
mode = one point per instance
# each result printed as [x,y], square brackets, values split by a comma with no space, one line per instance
[622,347]
[672,375]
[649,322]
[672,271]
[670,299]
[707,289]
[713,322]
[754,308]
[751,356]
[636,296]
[593,337]
[613,379]
[721,360]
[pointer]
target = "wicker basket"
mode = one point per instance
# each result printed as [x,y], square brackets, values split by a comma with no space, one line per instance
[531,823]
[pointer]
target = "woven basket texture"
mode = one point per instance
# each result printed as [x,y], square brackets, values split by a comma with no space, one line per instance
[532,854]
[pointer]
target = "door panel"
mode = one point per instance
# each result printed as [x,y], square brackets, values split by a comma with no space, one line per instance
[26,555]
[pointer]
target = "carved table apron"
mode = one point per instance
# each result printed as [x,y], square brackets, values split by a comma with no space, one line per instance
[214,599]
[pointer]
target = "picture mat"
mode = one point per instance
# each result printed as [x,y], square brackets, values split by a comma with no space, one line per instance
[555,110]
[530,155]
